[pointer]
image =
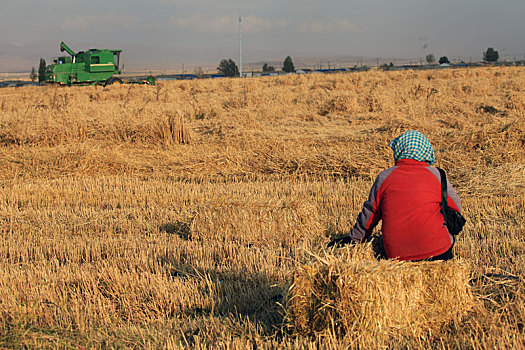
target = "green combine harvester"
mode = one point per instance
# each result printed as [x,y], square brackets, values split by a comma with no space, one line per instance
[92,67]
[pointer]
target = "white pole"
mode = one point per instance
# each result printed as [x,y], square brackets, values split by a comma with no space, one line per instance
[240,47]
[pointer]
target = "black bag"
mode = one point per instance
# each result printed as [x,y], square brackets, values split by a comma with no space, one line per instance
[453,220]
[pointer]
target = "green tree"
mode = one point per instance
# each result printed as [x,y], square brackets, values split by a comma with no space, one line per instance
[430,58]
[267,68]
[491,55]
[42,70]
[33,74]
[288,65]
[228,68]
[444,59]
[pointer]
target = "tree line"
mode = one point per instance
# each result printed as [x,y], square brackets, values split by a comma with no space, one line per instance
[228,67]
[490,56]
[41,75]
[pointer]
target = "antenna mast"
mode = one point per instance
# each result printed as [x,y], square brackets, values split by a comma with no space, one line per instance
[240,46]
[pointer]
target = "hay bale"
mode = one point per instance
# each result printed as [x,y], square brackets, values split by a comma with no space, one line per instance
[370,302]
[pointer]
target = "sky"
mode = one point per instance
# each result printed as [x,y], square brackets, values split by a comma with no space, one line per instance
[164,34]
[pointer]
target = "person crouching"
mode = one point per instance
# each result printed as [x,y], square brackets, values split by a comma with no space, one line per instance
[407,198]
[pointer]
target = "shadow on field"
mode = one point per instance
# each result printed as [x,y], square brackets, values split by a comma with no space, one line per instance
[244,302]
[251,296]
[247,296]
[179,228]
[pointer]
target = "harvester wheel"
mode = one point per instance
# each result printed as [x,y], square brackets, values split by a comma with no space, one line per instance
[113,80]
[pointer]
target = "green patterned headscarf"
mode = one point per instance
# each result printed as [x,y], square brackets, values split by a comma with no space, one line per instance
[413,145]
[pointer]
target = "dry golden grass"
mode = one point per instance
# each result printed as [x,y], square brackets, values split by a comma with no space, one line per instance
[178,215]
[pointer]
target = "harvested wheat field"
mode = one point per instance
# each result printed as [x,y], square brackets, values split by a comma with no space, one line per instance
[195,214]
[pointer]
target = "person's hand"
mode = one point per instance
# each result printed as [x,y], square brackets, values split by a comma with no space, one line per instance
[341,241]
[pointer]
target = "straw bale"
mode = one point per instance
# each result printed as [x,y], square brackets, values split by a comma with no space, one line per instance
[373,302]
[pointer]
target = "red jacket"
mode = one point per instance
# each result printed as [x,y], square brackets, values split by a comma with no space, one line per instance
[407,198]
